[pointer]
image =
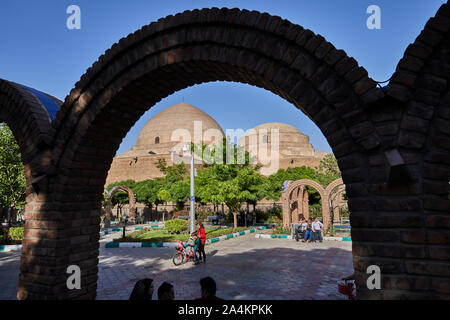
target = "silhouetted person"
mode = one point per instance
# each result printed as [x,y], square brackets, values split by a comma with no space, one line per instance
[166,292]
[143,290]
[208,287]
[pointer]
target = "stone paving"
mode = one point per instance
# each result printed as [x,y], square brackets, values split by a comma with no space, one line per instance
[243,267]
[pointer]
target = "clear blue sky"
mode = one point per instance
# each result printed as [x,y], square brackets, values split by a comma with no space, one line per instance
[37,50]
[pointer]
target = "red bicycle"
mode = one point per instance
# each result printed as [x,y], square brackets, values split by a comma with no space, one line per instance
[183,254]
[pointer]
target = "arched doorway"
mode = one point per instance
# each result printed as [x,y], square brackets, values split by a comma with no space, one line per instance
[396,180]
[132,203]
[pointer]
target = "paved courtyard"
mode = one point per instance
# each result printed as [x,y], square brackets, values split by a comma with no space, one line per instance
[244,268]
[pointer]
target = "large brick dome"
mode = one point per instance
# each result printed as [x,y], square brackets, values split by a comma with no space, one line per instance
[158,139]
[293,147]
[160,128]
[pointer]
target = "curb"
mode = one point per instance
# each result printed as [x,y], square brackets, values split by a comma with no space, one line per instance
[172,244]
[12,247]
[285,236]
[273,236]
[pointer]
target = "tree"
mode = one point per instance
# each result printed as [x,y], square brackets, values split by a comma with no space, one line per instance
[164,196]
[179,193]
[12,175]
[147,193]
[328,170]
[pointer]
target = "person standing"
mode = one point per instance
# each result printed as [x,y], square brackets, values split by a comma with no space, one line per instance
[317,229]
[202,237]
[309,231]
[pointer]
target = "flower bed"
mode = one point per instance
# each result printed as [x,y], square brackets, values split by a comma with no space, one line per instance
[147,235]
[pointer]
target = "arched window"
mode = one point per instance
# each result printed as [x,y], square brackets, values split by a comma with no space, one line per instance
[156,140]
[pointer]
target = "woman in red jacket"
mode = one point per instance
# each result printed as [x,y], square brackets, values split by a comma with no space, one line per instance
[201,235]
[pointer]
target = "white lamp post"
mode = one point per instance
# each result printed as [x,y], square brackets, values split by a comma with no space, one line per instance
[192,197]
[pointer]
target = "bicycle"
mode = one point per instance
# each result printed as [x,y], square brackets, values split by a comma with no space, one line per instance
[182,255]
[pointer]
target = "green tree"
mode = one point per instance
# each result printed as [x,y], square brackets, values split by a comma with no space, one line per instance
[12,175]
[179,193]
[164,196]
[147,193]
[328,170]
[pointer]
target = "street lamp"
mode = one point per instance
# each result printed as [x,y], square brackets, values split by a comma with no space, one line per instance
[192,197]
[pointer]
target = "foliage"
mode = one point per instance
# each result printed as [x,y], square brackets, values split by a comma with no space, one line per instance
[147,235]
[280,230]
[147,192]
[328,170]
[202,215]
[176,226]
[12,175]
[4,239]
[274,219]
[16,233]
[174,173]
[179,193]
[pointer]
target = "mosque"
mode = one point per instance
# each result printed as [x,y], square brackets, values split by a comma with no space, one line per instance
[163,135]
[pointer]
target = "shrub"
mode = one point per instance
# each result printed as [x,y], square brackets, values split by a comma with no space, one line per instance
[16,233]
[176,226]
[261,215]
[4,239]
[274,219]
[202,215]
[280,230]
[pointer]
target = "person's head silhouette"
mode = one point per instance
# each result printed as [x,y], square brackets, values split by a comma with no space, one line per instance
[143,290]
[166,292]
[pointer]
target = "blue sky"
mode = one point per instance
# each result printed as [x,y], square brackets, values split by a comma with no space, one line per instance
[37,49]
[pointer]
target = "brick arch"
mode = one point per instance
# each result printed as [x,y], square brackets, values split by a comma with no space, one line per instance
[295,185]
[360,122]
[333,197]
[30,124]
[132,203]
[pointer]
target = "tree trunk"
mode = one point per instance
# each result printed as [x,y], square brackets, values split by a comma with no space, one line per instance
[235,219]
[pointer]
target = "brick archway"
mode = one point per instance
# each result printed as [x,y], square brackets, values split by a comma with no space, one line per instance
[392,149]
[132,203]
[300,185]
[325,194]
[334,196]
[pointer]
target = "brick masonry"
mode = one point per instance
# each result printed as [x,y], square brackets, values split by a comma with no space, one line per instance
[393,147]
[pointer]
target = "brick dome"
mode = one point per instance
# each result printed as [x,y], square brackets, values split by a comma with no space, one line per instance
[158,132]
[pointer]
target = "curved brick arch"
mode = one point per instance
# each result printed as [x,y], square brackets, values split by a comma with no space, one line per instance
[332,185]
[335,206]
[132,202]
[359,122]
[286,199]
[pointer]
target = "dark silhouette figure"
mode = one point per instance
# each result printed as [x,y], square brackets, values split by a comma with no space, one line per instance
[143,290]
[166,292]
[208,287]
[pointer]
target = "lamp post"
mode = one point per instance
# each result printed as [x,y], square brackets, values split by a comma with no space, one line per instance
[192,196]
